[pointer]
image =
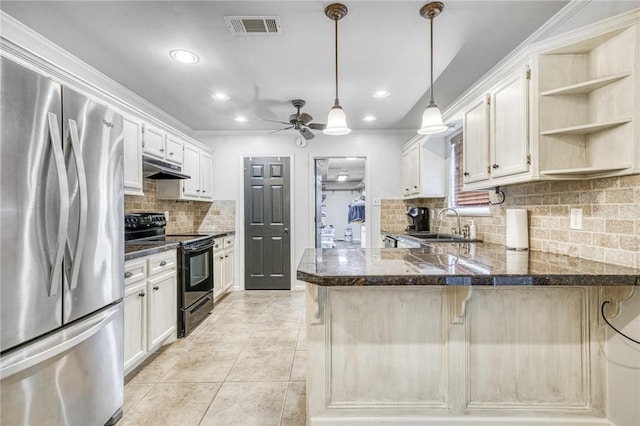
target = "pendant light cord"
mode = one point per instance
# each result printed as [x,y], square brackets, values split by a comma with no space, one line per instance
[431,99]
[335,20]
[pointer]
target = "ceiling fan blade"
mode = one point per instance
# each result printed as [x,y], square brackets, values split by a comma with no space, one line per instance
[306,133]
[279,130]
[275,121]
[317,126]
[304,118]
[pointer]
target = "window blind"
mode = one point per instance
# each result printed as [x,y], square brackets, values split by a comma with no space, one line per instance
[464,198]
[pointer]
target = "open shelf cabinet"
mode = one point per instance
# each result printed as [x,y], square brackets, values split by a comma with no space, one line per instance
[587,110]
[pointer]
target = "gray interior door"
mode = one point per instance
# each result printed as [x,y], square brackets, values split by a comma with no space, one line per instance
[266,224]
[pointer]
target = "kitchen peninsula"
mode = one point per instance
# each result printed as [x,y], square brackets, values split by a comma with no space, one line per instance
[466,334]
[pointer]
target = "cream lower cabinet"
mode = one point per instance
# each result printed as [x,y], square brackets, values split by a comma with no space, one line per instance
[223,265]
[150,306]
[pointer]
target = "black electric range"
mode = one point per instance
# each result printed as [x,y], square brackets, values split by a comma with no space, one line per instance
[195,265]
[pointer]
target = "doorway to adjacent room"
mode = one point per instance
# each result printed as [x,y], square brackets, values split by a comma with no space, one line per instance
[340,216]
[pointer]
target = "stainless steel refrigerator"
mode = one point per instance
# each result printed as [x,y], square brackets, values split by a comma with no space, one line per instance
[62,254]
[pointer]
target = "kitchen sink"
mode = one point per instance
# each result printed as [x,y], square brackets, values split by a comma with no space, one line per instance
[443,238]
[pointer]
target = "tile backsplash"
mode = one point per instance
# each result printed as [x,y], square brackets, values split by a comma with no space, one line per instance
[184,216]
[610,226]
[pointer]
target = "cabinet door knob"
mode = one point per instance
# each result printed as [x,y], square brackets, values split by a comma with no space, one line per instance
[128,274]
[171,153]
[163,263]
[495,166]
[156,288]
[142,294]
[415,187]
[226,256]
[161,149]
[466,174]
[221,257]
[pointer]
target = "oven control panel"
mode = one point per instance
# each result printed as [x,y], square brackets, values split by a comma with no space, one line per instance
[144,220]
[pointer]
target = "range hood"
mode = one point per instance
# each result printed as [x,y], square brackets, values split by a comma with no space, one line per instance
[161,170]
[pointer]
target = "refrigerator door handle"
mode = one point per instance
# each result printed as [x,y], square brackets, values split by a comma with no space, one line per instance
[76,257]
[56,143]
[45,350]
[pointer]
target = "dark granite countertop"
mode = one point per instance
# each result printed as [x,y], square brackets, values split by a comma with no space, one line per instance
[141,249]
[475,264]
[134,250]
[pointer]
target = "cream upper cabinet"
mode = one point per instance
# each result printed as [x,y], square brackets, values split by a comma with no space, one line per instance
[162,145]
[133,182]
[509,128]
[174,149]
[476,141]
[153,141]
[588,107]
[198,164]
[496,134]
[206,175]
[424,167]
[191,187]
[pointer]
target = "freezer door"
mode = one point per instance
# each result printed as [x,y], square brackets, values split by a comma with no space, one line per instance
[34,200]
[72,377]
[94,253]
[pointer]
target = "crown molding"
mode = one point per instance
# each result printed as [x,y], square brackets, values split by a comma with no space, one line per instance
[29,48]
[539,41]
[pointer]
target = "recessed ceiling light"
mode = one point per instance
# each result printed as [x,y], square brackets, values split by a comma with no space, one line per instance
[241,119]
[342,178]
[184,56]
[381,94]
[369,118]
[220,96]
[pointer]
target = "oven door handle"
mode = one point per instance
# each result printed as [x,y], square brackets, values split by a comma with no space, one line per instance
[193,249]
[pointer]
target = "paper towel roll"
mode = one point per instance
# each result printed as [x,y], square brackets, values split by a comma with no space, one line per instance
[517,229]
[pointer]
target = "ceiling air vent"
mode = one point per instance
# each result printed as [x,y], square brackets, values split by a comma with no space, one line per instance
[253,25]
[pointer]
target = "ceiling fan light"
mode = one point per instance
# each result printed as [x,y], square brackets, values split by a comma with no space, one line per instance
[337,122]
[432,121]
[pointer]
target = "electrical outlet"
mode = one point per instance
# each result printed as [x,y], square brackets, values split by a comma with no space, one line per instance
[575,219]
[377,201]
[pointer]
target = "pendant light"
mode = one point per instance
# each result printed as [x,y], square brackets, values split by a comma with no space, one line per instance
[337,120]
[432,117]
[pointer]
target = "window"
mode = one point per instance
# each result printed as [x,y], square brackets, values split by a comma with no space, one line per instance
[466,202]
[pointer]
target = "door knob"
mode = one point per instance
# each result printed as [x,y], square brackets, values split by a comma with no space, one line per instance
[286,230]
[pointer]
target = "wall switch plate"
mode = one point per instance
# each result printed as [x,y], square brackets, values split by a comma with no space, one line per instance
[377,201]
[575,219]
[166,215]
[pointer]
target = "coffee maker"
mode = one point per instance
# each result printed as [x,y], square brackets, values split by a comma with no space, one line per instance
[418,219]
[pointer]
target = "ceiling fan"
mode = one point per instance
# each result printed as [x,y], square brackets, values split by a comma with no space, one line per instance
[299,121]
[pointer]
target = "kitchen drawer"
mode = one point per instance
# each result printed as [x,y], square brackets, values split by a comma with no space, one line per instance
[134,271]
[228,242]
[161,262]
[218,244]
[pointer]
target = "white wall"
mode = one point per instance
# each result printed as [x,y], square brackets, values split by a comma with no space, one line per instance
[381,149]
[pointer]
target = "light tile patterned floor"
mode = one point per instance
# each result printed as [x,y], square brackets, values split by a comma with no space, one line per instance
[244,365]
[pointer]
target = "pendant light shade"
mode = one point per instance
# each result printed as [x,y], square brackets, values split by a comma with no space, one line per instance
[432,121]
[337,120]
[432,117]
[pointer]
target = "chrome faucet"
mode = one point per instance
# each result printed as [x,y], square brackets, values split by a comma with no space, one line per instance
[459,230]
